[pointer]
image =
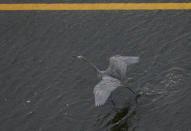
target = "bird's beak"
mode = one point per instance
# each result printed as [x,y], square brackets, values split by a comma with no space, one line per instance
[74,57]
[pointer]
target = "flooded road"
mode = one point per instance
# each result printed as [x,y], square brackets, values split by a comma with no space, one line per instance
[43,89]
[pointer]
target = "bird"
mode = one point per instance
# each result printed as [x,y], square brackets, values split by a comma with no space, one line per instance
[111,78]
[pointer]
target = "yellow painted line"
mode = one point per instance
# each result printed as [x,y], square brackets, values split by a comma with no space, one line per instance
[97,6]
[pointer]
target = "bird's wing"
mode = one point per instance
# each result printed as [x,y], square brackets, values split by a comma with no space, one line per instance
[118,65]
[104,88]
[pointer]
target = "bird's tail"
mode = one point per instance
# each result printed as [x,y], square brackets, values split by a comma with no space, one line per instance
[132,60]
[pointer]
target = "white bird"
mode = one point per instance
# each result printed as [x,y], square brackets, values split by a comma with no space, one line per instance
[111,77]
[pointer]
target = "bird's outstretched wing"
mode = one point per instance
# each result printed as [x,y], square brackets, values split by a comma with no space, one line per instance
[118,65]
[104,88]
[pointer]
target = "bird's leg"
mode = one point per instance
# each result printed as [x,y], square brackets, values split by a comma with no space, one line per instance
[131,90]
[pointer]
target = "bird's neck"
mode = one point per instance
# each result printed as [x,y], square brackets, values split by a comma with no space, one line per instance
[92,65]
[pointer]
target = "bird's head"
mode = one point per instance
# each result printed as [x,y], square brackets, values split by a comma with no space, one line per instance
[79,57]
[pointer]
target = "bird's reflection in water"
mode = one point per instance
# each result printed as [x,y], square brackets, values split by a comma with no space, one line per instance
[121,121]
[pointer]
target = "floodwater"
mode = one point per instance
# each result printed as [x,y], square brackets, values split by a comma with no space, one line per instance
[43,89]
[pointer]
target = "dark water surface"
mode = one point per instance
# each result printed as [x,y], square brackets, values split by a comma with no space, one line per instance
[43,89]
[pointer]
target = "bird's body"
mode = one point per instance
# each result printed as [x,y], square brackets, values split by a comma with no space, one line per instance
[110,78]
[104,88]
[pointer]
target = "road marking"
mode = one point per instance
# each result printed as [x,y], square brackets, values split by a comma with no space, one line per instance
[97,6]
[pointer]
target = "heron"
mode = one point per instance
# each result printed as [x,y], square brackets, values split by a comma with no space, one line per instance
[112,77]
